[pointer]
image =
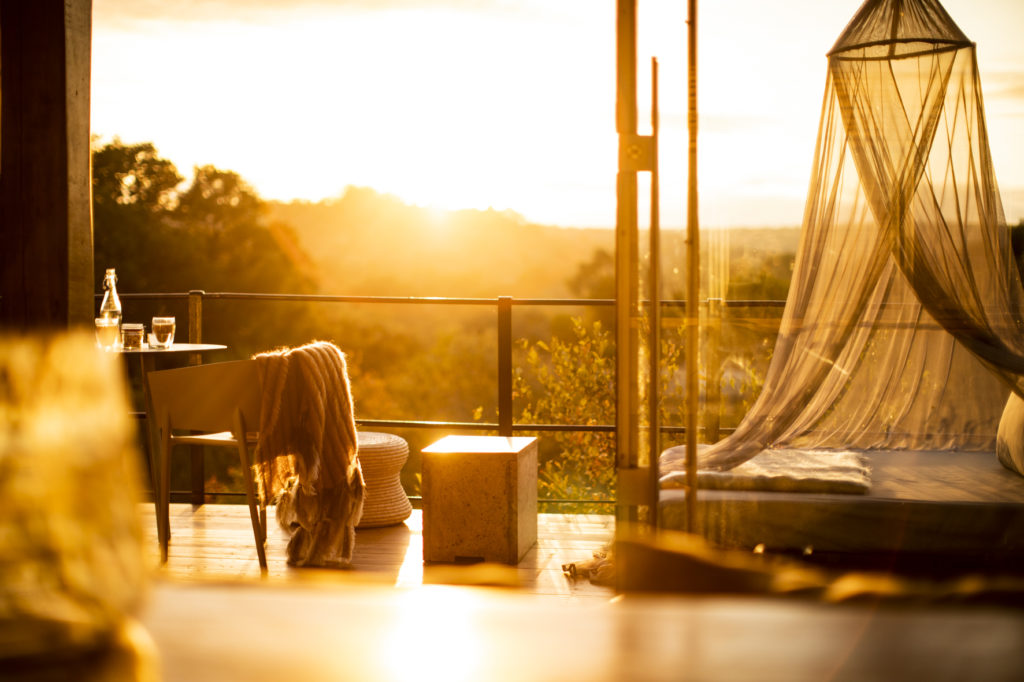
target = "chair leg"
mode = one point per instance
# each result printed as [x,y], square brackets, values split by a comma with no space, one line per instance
[259,527]
[163,520]
[257,512]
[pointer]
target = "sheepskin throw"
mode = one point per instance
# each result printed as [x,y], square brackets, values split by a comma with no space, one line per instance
[306,453]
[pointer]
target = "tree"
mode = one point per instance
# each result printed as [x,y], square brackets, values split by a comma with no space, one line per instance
[133,193]
[132,175]
[218,201]
[212,234]
[596,277]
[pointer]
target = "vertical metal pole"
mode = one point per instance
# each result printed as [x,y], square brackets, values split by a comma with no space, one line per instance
[197,467]
[505,365]
[693,275]
[654,355]
[195,322]
[626,268]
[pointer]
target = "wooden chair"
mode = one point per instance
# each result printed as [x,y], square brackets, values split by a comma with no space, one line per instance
[213,405]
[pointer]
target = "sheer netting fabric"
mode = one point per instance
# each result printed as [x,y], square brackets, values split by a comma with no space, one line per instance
[903,324]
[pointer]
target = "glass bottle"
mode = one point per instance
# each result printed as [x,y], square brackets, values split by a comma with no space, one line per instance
[110,308]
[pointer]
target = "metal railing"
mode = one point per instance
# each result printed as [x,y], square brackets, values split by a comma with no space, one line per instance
[505,424]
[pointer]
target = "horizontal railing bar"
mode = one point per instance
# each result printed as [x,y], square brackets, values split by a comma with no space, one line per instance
[313,298]
[597,428]
[490,426]
[149,296]
[411,424]
[431,300]
[543,500]
[564,301]
[752,303]
[482,426]
[327,298]
[184,494]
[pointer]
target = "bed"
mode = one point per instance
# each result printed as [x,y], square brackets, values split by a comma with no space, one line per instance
[929,509]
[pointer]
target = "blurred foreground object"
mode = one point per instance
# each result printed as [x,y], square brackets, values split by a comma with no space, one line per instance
[71,564]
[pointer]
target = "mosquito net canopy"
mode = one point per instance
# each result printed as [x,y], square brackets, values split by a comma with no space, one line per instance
[903,324]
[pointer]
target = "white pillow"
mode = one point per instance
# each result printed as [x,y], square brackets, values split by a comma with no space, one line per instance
[1010,437]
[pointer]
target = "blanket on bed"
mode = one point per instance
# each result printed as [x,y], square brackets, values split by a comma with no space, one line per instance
[784,470]
[306,453]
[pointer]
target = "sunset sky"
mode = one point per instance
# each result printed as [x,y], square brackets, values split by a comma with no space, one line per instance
[504,103]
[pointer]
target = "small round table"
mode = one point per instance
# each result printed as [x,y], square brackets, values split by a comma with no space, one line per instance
[381,457]
[148,355]
[147,361]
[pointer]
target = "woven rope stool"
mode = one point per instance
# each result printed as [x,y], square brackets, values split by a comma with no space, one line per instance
[382,456]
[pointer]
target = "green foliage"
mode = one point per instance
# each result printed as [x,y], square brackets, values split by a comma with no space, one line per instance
[132,175]
[764,276]
[755,263]
[571,382]
[133,194]
[212,235]
[595,278]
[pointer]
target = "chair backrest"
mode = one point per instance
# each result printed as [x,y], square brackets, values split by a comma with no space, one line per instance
[205,397]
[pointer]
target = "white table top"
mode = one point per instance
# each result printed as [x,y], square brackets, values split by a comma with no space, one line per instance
[175,348]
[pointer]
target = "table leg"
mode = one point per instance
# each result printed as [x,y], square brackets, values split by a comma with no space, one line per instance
[197,467]
[147,363]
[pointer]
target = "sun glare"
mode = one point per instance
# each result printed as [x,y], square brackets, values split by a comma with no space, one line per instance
[505,106]
[451,642]
[443,108]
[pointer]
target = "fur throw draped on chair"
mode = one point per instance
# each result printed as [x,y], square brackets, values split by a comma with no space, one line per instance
[306,452]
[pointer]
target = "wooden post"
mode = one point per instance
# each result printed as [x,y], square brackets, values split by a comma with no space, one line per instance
[46,263]
[692,275]
[654,350]
[627,406]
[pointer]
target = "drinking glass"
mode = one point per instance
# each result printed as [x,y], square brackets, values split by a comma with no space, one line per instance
[162,335]
[107,332]
[131,335]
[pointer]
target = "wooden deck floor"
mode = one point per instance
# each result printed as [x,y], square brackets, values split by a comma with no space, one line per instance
[214,542]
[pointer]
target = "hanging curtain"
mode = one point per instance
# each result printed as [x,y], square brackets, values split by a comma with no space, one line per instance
[903,326]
